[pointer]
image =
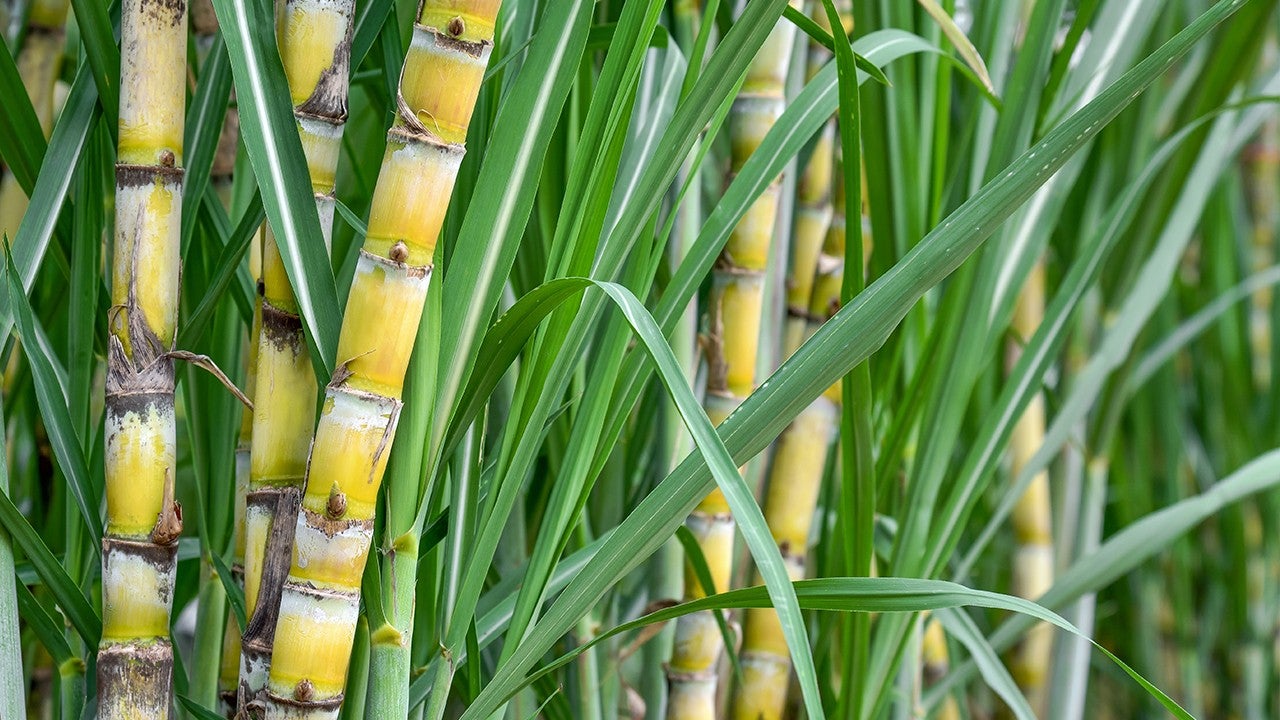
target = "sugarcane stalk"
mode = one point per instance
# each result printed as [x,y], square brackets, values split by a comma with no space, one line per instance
[1033,557]
[315,45]
[731,348]
[39,61]
[316,624]
[135,656]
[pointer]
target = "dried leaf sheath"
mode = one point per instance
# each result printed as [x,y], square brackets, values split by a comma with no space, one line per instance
[135,658]
[319,605]
[315,45]
[733,336]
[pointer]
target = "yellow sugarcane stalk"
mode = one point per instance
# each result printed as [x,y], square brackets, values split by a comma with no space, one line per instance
[443,70]
[795,480]
[1033,559]
[135,657]
[733,339]
[39,62]
[315,45]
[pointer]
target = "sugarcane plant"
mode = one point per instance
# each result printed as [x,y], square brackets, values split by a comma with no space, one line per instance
[630,359]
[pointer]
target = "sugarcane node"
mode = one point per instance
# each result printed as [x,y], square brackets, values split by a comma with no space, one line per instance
[689,676]
[456,26]
[474,49]
[132,176]
[282,329]
[172,11]
[336,507]
[167,158]
[399,252]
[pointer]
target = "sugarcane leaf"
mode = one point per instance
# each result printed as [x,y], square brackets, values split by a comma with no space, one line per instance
[847,339]
[38,619]
[270,136]
[371,595]
[226,267]
[1153,282]
[1132,546]
[197,710]
[93,19]
[994,673]
[235,593]
[961,41]
[79,115]
[67,594]
[22,144]
[815,32]
[348,215]
[204,120]
[1191,328]
[370,18]
[52,399]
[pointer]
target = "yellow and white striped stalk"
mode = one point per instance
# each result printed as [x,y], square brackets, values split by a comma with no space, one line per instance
[1033,558]
[441,79]
[135,657]
[39,62]
[315,45]
[733,339]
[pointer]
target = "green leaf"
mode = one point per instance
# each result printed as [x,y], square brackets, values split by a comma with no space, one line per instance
[235,594]
[205,117]
[93,19]
[1132,546]
[67,594]
[22,144]
[51,395]
[79,115]
[44,626]
[197,710]
[224,272]
[960,40]
[270,136]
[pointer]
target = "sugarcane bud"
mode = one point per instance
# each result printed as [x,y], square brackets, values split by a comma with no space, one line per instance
[457,27]
[337,505]
[167,158]
[304,691]
[399,252]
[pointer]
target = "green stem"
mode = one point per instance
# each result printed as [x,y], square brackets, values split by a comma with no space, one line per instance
[211,617]
[353,707]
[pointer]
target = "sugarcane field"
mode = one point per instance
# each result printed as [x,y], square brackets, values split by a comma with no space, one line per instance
[640,359]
